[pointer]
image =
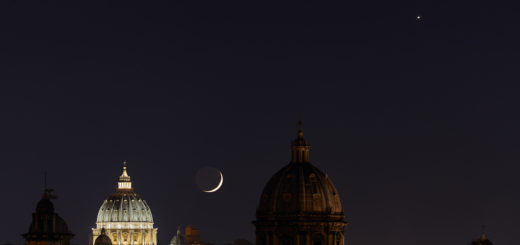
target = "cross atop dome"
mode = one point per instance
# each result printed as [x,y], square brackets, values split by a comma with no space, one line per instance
[124,179]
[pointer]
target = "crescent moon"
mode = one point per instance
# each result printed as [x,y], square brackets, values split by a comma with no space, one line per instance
[219,184]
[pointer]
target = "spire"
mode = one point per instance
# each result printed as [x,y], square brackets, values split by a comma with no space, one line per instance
[300,131]
[124,179]
[299,147]
[124,170]
[45,180]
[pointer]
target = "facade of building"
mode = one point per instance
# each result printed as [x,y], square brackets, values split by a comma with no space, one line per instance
[126,217]
[47,227]
[300,205]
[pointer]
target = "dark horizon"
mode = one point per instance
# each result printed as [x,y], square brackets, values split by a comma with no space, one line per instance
[414,121]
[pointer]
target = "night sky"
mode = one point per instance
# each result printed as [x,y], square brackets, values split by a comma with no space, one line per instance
[416,122]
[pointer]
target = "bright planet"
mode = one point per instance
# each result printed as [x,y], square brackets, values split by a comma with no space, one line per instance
[209,179]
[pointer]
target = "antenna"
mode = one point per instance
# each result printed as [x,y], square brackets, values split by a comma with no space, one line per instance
[45,180]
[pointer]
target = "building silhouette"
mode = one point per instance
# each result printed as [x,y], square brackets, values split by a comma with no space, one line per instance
[103,239]
[481,240]
[300,205]
[47,227]
[178,239]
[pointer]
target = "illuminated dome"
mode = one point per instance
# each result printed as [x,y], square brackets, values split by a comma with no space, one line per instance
[124,217]
[124,205]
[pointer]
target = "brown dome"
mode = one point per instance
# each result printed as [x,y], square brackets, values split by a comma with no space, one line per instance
[300,205]
[300,188]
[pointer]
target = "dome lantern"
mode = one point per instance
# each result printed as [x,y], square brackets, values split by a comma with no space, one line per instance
[124,179]
[300,148]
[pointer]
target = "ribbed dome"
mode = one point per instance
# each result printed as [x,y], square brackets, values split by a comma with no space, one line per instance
[124,205]
[300,188]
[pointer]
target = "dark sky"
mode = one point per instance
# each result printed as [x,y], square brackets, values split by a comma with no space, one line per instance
[416,122]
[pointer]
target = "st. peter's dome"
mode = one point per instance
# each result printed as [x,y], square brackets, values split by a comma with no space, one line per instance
[124,217]
[124,205]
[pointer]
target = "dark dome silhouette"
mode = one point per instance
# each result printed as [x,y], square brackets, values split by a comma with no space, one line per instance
[47,225]
[300,188]
[103,239]
[45,205]
[300,205]
[482,240]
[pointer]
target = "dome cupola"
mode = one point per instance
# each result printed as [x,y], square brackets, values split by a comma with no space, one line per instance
[300,148]
[124,179]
